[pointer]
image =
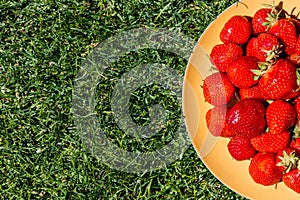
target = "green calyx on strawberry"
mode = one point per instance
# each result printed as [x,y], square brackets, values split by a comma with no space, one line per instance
[287,160]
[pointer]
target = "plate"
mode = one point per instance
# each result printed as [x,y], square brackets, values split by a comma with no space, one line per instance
[212,150]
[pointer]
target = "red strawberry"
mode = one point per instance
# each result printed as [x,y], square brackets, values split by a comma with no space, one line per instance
[260,19]
[295,144]
[236,30]
[287,159]
[222,55]
[216,122]
[239,71]
[252,92]
[247,118]
[240,148]
[265,47]
[292,180]
[280,116]
[271,143]
[286,31]
[263,169]
[279,80]
[217,89]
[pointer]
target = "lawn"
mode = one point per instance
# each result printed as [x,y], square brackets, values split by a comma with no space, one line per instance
[43,44]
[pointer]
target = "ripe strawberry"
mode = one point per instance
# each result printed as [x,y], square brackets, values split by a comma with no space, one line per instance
[217,89]
[279,80]
[222,55]
[287,159]
[247,118]
[260,19]
[263,169]
[239,71]
[286,31]
[252,92]
[271,143]
[240,148]
[280,116]
[216,122]
[292,180]
[295,144]
[236,30]
[265,47]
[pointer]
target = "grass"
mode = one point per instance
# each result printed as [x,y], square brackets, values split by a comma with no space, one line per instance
[42,45]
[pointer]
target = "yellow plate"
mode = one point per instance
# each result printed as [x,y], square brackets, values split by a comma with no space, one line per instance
[213,151]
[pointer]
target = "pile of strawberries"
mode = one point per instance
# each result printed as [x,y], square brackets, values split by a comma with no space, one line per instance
[255,93]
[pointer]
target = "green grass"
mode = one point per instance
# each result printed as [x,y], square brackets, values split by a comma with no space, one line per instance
[42,46]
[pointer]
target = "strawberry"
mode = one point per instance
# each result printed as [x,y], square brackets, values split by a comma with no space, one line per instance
[240,148]
[217,89]
[222,55]
[271,143]
[239,72]
[265,47]
[252,92]
[263,169]
[260,19]
[216,121]
[286,31]
[247,118]
[279,80]
[292,179]
[287,159]
[295,144]
[236,30]
[280,116]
